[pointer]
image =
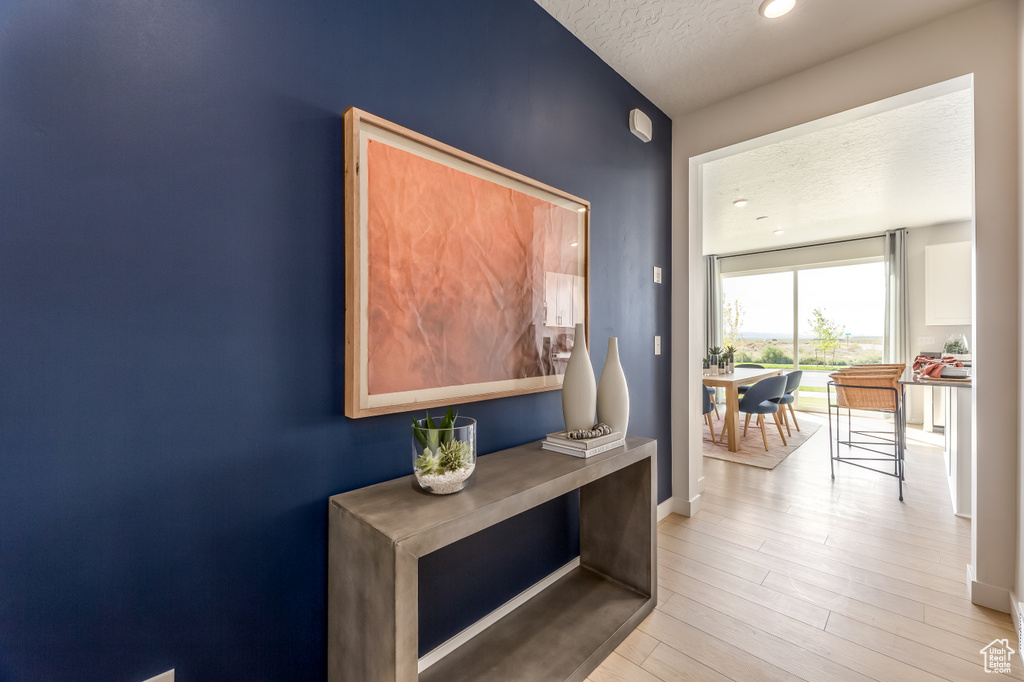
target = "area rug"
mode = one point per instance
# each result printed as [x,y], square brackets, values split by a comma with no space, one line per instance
[752,452]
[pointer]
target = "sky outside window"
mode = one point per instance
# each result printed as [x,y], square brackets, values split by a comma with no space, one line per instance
[851,295]
[766,301]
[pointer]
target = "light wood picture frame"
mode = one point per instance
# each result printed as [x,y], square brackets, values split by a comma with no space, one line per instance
[463,280]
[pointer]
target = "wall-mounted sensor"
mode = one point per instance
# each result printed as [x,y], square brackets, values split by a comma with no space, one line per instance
[640,125]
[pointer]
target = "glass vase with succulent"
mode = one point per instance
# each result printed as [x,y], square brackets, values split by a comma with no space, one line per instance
[443,452]
[715,355]
[730,359]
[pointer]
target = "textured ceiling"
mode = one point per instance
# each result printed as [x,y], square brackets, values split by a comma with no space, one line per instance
[686,54]
[907,167]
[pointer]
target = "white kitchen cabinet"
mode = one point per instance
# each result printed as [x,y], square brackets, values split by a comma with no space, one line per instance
[563,299]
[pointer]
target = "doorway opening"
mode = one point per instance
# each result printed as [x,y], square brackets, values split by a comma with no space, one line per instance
[792,233]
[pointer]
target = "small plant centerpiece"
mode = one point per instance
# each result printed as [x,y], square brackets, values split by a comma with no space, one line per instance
[715,355]
[730,358]
[443,452]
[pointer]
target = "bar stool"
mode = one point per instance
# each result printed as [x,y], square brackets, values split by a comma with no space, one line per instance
[873,388]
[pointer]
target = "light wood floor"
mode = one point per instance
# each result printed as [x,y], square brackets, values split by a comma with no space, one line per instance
[787,575]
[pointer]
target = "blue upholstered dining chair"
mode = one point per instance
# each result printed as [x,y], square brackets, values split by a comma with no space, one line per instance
[743,389]
[709,407]
[761,399]
[792,383]
[712,394]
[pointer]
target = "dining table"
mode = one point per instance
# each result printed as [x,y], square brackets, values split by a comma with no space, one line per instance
[731,382]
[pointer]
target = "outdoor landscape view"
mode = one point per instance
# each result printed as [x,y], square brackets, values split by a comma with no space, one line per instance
[840,315]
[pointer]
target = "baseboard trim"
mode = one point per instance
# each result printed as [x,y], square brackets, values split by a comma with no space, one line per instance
[442,650]
[686,508]
[1017,617]
[666,508]
[989,596]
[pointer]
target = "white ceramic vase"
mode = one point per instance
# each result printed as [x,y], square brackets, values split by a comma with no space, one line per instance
[612,392]
[579,389]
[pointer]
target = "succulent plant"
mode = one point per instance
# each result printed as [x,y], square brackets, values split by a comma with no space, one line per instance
[428,463]
[442,452]
[430,436]
[453,455]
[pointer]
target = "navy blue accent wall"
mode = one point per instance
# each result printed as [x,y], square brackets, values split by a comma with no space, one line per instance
[171,309]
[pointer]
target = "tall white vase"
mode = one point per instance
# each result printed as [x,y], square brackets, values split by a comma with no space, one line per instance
[612,392]
[579,389]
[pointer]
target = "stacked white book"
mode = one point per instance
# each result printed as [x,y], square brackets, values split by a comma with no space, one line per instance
[559,442]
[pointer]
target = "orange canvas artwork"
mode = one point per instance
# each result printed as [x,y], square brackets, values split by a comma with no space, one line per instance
[460,272]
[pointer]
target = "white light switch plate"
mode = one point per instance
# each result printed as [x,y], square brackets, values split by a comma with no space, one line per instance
[657,345]
[657,275]
[923,341]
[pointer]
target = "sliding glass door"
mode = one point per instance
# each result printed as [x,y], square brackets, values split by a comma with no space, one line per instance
[757,317]
[814,318]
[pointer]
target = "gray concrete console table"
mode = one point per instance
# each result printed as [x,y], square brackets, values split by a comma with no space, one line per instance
[377,535]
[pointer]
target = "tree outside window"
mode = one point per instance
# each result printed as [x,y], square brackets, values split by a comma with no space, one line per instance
[732,322]
[828,335]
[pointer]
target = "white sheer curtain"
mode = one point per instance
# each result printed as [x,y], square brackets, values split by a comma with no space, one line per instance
[712,303]
[897,315]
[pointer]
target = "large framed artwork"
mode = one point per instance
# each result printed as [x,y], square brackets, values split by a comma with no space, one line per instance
[464,280]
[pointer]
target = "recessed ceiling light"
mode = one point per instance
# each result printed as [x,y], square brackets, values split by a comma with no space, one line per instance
[740,203]
[778,232]
[772,9]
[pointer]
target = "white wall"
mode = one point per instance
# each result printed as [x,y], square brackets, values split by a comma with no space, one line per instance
[1019,583]
[917,240]
[981,41]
